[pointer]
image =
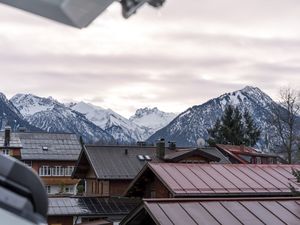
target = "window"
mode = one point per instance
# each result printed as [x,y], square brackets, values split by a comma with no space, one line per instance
[147,157]
[48,189]
[69,170]
[45,171]
[141,157]
[58,171]
[6,151]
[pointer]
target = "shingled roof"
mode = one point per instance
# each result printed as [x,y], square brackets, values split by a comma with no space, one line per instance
[57,146]
[45,146]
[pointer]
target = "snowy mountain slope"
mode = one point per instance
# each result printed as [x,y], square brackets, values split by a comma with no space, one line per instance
[152,119]
[52,116]
[123,130]
[192,124]
[10,115]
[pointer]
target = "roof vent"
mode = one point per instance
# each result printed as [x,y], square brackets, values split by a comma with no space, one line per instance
[45,148]
[141,157]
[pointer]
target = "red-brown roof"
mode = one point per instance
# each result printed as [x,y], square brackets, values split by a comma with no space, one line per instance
[224,179]
[222,212]
[236,150]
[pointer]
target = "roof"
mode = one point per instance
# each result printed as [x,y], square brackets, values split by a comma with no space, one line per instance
[236,150]
[217,153]
[15,141]
[112,162]
[176,156]
[221,179]
[60,146]
[122,162]
[219,211]
[89,206]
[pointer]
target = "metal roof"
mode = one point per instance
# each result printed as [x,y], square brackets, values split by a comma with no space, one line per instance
[222,179]
[112,162]
[236,151]
[220,212]
[88,206]
[176,156]
[62,146]
[123,162]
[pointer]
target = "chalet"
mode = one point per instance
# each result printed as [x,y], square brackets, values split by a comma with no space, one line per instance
[89,211]
[246,211]
[167,180]
[108,170]
[51,155]
[247,155]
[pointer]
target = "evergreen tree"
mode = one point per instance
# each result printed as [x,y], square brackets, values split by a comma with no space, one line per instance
[251,132]
[234,128]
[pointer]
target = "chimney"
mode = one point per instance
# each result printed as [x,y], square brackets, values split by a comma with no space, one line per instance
[172,145]
[7,136]
[160,148]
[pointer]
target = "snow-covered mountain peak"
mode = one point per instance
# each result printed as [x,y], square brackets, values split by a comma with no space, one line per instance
[146,111]
[29,104]
[153,119]
[122,129]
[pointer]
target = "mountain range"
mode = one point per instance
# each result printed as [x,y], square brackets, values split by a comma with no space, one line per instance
[95,124]
[191,126]
[98,125]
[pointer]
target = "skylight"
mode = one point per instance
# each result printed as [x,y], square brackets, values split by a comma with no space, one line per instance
[141,157]
[147,157]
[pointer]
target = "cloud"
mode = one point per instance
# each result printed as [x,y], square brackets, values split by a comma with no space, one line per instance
[175,57]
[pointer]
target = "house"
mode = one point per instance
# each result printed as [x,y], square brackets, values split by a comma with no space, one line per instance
[245,155]
[175,180]
[108,170]
[246,211]
[51,155]
[85,210]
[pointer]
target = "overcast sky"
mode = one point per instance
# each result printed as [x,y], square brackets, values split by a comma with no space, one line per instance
[178,56]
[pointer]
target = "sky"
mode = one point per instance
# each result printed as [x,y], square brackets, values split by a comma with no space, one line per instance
[172,58]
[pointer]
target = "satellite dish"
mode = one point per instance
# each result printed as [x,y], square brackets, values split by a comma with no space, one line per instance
[201,143]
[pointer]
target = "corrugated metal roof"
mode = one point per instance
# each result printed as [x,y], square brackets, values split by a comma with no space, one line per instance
[122,162]
[224,212]
[90,206]
[59,146]
[111,162]
[242,179]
